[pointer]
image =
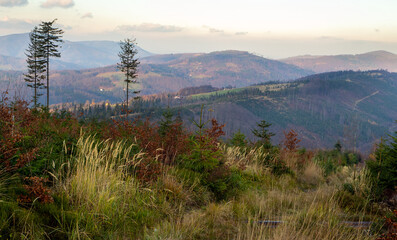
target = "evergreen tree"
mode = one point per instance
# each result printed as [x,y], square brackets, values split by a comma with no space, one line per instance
[338,146]
[238,139]
[50,37]
[129,64]
[165,122]
[36,65]
[263,133]
[383,168]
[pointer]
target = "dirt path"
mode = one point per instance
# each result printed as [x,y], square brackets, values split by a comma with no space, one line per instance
[362,99]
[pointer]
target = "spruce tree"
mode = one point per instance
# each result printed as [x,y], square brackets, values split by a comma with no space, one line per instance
[129,64]
[50,38]
[36,65]
[263,133]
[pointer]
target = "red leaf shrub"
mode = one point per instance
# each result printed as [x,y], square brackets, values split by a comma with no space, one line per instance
[36,190]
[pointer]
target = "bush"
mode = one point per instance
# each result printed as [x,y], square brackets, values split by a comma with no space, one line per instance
[206,158]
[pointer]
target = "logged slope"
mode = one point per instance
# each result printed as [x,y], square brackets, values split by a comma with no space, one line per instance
[367,61]
[75,55]
[170,73]
[354,107]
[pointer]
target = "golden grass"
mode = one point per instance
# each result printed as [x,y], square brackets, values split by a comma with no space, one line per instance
[310,214]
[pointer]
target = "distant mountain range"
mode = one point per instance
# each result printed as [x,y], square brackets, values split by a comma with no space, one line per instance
[74,55]
[170,73]
[367,61]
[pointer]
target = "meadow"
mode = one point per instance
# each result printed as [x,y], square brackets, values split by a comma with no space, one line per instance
[61,178]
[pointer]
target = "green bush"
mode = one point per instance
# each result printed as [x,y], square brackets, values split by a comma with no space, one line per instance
[207,161]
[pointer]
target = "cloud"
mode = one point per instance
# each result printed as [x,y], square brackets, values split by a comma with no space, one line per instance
[57,3]
[331,38]
[87,15]
[377,30]
[13,23]
[241,33]
[13,3]
[213,30]
[150,27]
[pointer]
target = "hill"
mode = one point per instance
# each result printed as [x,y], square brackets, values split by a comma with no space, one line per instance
[367,61]
[170,73]
[356,108]
[75,55]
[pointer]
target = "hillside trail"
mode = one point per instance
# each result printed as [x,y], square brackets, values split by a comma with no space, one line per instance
[362,99]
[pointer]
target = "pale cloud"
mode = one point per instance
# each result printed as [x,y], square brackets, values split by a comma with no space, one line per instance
[213,30]
[57,3]
[13,3]
[87,15]
[13,23]
[241,33]
[150,27]
[330,38]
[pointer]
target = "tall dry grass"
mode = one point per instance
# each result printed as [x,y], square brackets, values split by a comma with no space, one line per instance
[308,213]
[103,190]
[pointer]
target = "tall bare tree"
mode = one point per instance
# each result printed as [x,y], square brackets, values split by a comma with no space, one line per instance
[36,65]
[129,65]
[50,38]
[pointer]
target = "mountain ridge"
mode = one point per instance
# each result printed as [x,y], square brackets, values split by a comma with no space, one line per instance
[75,55]
[379,59]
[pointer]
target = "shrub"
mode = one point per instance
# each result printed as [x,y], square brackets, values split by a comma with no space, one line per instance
[36,190]
[206,158]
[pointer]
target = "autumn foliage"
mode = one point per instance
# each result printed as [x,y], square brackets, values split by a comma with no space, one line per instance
[36,189]
[13,119]
[391,228]
[291,140]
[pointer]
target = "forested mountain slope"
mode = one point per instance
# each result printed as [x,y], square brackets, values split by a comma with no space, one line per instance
[354,107]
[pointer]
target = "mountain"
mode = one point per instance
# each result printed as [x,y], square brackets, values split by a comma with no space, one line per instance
[219,69]
[11,63]
[170,73]
[75,55]
[356,108]
[367,61]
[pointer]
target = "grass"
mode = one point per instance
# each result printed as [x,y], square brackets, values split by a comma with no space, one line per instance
[98,194]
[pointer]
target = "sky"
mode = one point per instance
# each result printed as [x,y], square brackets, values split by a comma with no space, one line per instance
[274,29]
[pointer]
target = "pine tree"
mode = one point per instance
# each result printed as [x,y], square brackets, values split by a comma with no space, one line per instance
[129,64]
[263,133]
[36,65]
[50,37]
[165,122]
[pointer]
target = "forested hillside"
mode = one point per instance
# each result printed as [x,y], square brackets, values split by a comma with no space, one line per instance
[356,108]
